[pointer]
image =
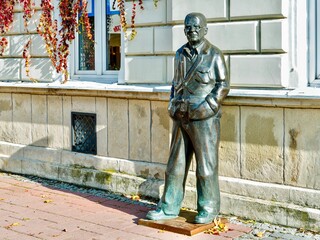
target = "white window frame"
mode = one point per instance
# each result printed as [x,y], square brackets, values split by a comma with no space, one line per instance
[100,74]
[314,43]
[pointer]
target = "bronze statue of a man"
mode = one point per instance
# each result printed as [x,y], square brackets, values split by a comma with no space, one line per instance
[199,86]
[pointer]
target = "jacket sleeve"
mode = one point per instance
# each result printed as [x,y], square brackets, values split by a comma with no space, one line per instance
[222,86]
[175,75]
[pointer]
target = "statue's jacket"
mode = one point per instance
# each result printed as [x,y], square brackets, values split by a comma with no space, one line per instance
[200,82]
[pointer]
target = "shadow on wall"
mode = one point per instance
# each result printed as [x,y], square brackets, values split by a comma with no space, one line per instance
[40,69]
[77,168]
[13,69]
[10,69]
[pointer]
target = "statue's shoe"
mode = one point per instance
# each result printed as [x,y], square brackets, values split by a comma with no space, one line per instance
[158,214]
[204,217]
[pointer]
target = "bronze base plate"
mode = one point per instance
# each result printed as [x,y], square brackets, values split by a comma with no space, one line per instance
[182,224]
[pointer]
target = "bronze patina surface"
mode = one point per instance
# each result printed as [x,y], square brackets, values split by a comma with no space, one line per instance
[199,86]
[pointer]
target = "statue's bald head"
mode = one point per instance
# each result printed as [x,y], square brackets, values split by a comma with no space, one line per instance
[200,16]
[195,28]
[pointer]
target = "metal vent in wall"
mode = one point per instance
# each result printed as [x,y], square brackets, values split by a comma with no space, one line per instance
[84,137]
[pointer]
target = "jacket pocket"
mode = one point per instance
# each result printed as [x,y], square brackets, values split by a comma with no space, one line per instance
[204,75]
[200,111]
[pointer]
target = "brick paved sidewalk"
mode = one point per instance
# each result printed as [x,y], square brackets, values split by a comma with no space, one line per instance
[29,210]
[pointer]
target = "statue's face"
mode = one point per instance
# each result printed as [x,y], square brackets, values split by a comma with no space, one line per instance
[195,30]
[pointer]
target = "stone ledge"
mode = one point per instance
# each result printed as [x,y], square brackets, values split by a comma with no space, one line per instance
[273,212]
[308,198]
[297,98]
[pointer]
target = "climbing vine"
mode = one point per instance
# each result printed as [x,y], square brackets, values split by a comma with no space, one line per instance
[59,35]
[6,19]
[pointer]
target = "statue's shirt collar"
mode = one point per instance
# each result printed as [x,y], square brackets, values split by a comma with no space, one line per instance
[191,52]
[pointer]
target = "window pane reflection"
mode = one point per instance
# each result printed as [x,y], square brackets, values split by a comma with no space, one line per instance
[113,44]
[86,48]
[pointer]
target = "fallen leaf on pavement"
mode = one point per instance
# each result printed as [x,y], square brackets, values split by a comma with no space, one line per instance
[218,227]
[260,234]
[135,197]
[12,225]
[48,201]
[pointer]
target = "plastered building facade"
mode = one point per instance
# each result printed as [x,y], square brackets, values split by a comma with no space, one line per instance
[269,149]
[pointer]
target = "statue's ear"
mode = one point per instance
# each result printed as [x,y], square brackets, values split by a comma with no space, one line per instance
[205,30]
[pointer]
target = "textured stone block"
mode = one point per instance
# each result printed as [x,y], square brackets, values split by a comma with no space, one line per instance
[142,44]
[17,44]
[229,150]
[88,177]
[262,144]
[67,105]
[39,121]
[305,197]
[150,14]
[244,9]
[142,169]
[41,69]
[55,122]
[237,36]
[170,69]
[126,184]
[274,36]
[40,168]
[163,40]
[10,69]
[79,160]
[10,149]
[102,127]
[31,153]
[10,164]
[87,161]
[139,130]
[178,37]
[212,9]
[21,119]
[190,198]
[262,70]
[146,69]
[38,46]
[10,157]
[16,24]
[118,132]
[302,148]
[253,209]
[160,141]
[151,187]
[6,117]
[256,190]
[33,23]
[84,104]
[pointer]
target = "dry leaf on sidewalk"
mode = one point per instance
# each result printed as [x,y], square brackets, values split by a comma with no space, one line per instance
[219,226]
[12,225]
[135,197]
[260,234]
